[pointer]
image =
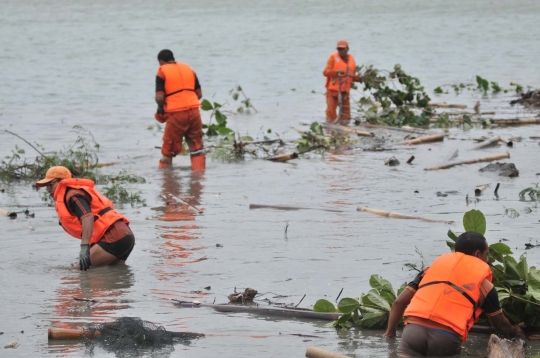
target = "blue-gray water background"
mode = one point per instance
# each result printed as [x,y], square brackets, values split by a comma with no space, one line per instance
[93,64]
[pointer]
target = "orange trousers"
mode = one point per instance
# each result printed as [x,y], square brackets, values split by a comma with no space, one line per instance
[186,124]
[332,105]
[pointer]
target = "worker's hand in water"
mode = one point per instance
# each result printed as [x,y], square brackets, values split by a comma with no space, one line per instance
[519,331]
[84,257]
[389,334]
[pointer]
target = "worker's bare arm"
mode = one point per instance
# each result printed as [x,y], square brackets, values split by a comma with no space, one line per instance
[398,308]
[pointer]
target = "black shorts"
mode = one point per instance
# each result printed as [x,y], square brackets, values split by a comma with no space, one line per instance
[121,248]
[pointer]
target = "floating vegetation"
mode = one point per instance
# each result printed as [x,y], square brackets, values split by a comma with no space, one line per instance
[532,192]
[246,106]
[517,285]
[118,194]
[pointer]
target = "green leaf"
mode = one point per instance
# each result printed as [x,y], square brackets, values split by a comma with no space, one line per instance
[474,220]
[323,305]
[356,316]
[221,119]
[206,105]
[523,267]
[217,105]
[503,294]
[452,235]
[511,270]
[451,245]
[344,318]
[534,279]
[246,138]
[438,90]
[348,305]
[224,130]
[380,284]
[500,248]
[374,319]
[373,299]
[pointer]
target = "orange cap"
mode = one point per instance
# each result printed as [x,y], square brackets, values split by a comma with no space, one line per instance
[57,172]
[342,44]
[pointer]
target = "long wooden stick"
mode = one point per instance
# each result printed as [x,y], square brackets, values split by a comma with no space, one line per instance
[397,215]
[471,161]
[71,334]
[347,130]
[421,140]
[520,121]
[289,208]
[314,352]
[399,129]
[488,142]
[446,105]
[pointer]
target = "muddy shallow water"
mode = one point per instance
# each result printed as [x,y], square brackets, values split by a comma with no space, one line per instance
[93,64]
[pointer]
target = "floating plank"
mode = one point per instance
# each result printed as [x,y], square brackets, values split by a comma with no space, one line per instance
[472,161]
[397,215]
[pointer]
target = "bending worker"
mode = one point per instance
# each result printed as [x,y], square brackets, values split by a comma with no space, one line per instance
[340,73]
[444,301]
[177,94]
[85,214]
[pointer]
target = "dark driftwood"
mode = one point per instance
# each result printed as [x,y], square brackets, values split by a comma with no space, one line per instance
[283,157]
[289,208]
[504,348]
[410,159]
[516,122]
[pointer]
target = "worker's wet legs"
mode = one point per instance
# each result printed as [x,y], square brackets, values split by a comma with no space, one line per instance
[332,104]
[420,341]
[181,124]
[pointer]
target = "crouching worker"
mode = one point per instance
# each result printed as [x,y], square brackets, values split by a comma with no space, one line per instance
[444,301]
[85,214]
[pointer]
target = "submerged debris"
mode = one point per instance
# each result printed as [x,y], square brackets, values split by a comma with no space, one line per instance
[530,98]
[247,296]
[504,348]
[392,162]
[504,169]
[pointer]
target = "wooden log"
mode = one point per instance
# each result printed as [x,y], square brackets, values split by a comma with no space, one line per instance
[74,334]
[347,130]
[472,161]
[397,215]
[496,192]
[487,143]
[314,352]
[10,214]
[399,129]
[410,159]
[283,157]
[516,122]
[504,348]
[289,208]
[421,140]
[446,105]
[479,189]
[267,311]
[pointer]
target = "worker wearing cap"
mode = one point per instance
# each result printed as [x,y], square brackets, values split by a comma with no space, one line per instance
[444,301]
[340,73]
[178,92]
[85,214]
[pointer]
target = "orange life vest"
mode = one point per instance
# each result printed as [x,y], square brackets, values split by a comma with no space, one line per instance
[348,67]
[179,87]
[449,292]
[101,207]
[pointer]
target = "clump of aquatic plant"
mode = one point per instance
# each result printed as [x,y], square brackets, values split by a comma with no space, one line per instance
[118,194]
[80,158]
[315,139]
[220,127]
[401,97]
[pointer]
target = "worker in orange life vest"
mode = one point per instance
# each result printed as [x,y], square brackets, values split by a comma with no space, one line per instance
[178,92]
[444,301]
[85,214]
[340,73]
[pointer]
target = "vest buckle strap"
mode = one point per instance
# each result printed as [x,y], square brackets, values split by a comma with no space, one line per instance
[102,212]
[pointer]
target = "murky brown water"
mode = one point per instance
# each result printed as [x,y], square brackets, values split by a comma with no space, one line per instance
[93,64]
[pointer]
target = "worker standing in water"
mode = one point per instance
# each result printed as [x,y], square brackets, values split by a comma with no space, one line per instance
[444,301]
[178,92]
[86,214]
[340,73]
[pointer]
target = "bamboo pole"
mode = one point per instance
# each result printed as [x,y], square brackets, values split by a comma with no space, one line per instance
[472,161]
[487,143]
[421,140]
[397,215]
[480,189]
[73,334]
[314,352]
[521,121]
[399,129]
[446,105]
[289,208]
[348,130]
[283,157]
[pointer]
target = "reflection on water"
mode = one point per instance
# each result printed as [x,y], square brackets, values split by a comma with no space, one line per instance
[181,195]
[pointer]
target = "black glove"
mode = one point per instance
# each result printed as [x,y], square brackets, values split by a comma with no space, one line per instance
[160,110]
[84,257]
